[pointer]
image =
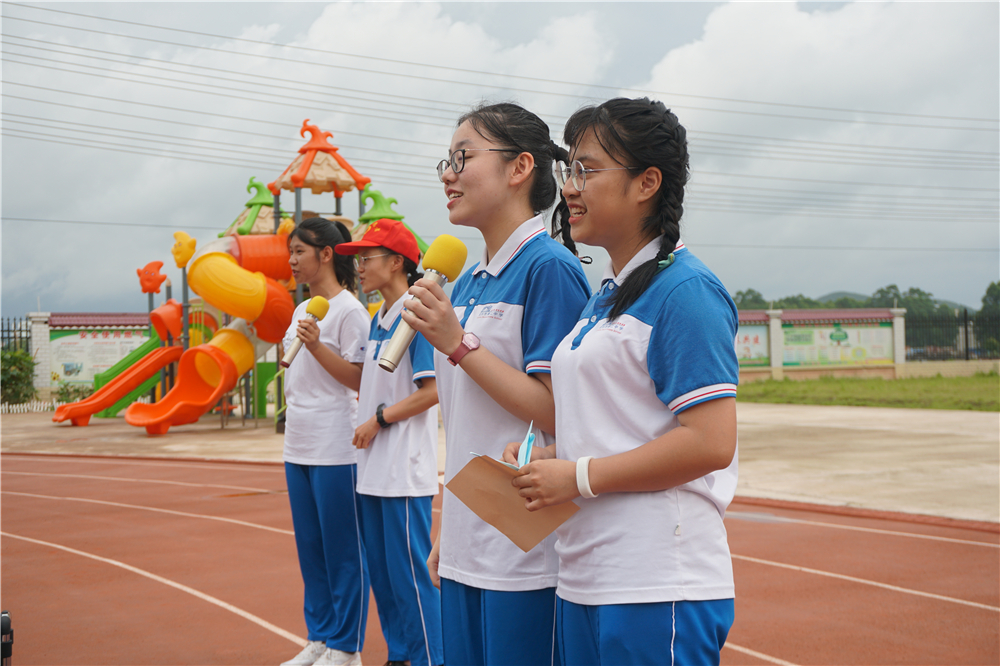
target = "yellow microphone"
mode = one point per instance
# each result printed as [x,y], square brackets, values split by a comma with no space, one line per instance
[443,263]
[317,309]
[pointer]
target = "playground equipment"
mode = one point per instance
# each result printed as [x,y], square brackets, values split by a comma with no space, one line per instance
[238,275]
[244,274]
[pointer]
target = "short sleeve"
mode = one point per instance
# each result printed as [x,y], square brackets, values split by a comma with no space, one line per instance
[421,358]
[557,291]
[354,331]
[692,355]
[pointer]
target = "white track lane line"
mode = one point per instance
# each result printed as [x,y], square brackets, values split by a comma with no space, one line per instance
[242,523]
[213,463]
[864,581]
[779,520]
[912,535]
[166,581]
[119,478]
[759,655]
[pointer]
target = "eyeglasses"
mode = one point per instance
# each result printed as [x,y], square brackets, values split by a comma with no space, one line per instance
[359,261]
[577,174]
[457,160]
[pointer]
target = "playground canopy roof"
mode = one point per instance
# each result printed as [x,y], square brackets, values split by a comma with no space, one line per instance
[319,167]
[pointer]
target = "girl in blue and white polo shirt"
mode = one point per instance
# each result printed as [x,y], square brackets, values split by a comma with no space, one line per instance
[645,388]
[397,454]
[496,337]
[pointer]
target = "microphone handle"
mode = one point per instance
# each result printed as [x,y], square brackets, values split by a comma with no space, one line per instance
[289,356]
[400,341]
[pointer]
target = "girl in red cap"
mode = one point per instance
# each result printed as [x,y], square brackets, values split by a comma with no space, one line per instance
[397,454]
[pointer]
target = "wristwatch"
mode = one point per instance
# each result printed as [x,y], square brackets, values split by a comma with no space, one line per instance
[469,343]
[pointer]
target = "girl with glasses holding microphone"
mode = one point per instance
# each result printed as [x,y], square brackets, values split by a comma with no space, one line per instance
[496,336]
[645,393]
[397,454]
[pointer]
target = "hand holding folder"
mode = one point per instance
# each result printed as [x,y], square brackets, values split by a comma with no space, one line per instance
[484,485]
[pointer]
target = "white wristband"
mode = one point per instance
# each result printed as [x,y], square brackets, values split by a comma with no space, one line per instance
[583,477]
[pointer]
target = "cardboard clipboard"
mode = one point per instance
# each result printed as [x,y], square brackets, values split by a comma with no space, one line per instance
[484,486]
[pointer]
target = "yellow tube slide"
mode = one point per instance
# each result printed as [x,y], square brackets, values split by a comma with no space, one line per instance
[221,281]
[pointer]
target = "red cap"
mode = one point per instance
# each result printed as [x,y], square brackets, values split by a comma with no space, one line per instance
[390,234]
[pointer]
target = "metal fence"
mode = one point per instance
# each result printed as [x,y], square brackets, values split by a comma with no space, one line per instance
[963,336]
[15,333]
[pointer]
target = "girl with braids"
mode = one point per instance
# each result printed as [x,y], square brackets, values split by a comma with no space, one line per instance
[397,454]
[321,393]
[645,392]
[496,337]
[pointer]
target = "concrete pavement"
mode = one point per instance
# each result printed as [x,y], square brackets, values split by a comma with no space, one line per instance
[934,462]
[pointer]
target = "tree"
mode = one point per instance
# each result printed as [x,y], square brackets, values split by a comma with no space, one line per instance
[987,321]
[751,299]
[799,302]
[17,368]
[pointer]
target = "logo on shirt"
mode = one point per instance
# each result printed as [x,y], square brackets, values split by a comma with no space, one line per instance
[491,312]
[617,326]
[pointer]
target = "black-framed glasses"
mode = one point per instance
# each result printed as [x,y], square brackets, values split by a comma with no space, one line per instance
[360,262]
[576,173]
[457,159]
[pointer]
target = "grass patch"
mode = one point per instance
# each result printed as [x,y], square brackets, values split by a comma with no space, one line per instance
[978,393]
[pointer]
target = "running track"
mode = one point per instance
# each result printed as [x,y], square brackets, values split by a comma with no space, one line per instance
[139,561]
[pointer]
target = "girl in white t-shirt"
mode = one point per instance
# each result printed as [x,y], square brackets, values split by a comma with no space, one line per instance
[645,388]
[320,461]
[495,339]
[397,454]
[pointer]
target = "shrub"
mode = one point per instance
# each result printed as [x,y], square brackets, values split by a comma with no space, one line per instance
[17,375]
[73,392]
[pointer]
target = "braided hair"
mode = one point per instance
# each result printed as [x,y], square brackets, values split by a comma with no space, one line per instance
[641,133]
[508,124]
[320,232]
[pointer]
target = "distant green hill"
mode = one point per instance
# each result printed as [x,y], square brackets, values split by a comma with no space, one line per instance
[843,294]
[863,297]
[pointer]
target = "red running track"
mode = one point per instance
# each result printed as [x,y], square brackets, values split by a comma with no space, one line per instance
[138,561]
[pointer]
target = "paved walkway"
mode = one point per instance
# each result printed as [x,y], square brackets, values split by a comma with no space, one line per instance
[934,462]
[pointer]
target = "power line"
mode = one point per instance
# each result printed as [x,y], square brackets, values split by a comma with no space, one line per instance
[256,77]
[845,182]
[840,146]
[289,126]
[369,71]
[206,113]
[760,153]
[243,165]
[482,73]
[712,245]
[227,148]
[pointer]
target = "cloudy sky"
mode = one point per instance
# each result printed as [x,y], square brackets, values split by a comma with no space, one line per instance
[834,146]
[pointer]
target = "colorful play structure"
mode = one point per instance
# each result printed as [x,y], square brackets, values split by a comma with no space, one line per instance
[243,278]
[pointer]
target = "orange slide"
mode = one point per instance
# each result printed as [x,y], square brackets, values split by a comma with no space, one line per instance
[80,412]
[237,275]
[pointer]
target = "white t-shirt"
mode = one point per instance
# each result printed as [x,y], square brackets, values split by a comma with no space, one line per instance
[401,460]
[322,412]
[520,305]
[619,385]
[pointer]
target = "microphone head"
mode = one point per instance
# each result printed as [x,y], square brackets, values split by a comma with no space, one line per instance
[318,307]
[447,256]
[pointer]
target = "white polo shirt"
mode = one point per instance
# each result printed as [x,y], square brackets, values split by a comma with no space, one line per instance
[619,385]
[520,305]
[401,460]
[322,412]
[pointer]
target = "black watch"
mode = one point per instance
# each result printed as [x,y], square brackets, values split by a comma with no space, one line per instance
[378,416]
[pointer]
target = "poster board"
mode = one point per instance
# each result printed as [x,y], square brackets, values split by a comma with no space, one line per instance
[77,355]
[837,344]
